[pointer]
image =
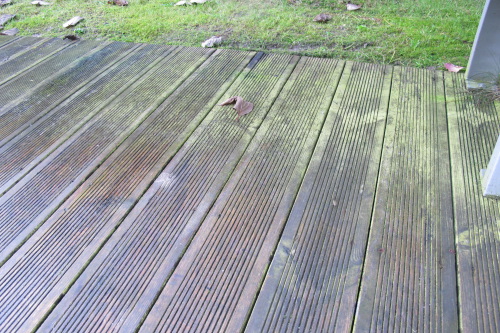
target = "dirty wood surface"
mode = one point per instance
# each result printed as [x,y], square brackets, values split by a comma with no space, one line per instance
[349,199]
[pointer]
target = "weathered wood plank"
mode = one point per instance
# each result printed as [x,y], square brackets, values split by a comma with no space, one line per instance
[4,40]
[20,86]
[22,208]
[474,124]
[70,107]
[409,278]
[87,219]
[29,108]
[153,237]
[30,57]
[31,144]
[312,284]
[213,287]
[20,46]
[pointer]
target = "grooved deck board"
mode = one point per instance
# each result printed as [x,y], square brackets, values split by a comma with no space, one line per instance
[213,286]
[313,281]
[130,201]
[22,209]
[30,146]
[43,99]
[30,57]
[44,72]
[473,126]
[12,47]
[12,50]
[409,278]
[158,228]
[5,40]
[89,216]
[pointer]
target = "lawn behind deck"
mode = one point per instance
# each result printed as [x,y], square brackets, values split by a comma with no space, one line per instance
[424,33]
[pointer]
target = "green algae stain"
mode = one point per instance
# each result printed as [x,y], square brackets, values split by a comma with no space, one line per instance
[480,235]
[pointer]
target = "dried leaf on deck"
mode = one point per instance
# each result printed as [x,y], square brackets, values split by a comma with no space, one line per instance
[71,37]
[212,41]
[74,21]
[4,18]
[182,3]
[10,32]
[40,3]
[5,2]
[453,68]
[351,6]
[242,107]
[322,18]
[118,2]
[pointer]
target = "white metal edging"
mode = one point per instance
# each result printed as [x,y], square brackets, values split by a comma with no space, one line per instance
[483,70]
[491,176]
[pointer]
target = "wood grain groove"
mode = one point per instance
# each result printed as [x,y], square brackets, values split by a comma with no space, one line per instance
[203,293]
[152,237]
[349,199]
[409,276]
[317,265]
[473,129]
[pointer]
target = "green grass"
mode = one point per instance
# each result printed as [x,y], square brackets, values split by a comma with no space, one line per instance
[420,33]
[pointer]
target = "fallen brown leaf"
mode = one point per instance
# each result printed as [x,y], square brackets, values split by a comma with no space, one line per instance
[351,6]
[453,68]
[5,2]
[71,37]
[10,32]
[4,18]
[118,2]
[242,107]
[40,3]
[323,18]
[212,41]
[74,21]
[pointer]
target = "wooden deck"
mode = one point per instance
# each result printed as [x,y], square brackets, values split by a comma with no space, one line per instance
[348,200]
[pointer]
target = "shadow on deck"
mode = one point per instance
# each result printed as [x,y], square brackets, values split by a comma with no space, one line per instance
[349,199]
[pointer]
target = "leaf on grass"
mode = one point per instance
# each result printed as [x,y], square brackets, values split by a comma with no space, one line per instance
[323,18]
[4,18]
[71,37]
[74,21]
[118,2]
[5,2]
[453,68]
[40,3]
[242,107]
[212,41]
[182,3]
[351,6]
[10,32]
